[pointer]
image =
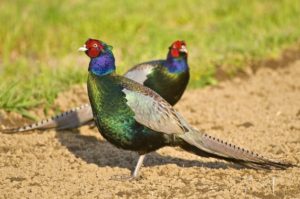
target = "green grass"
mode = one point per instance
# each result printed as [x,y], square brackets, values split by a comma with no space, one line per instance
[39,39]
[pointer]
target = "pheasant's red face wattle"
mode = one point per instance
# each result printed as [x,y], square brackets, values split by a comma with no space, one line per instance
[94,47]
[175,53]
[178,47]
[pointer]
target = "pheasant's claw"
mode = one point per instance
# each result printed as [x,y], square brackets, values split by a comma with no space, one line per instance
[124,178]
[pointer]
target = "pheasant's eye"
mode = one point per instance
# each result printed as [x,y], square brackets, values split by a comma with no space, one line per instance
[95,45]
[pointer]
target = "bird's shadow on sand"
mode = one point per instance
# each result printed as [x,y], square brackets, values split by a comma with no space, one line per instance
[92,150]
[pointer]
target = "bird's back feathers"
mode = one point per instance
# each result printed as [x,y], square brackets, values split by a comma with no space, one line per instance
[140,72]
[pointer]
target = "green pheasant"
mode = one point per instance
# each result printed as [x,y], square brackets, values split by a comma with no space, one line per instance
[134,117]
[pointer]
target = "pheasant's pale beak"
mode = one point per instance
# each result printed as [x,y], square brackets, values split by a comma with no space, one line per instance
[83,48]
[183,49]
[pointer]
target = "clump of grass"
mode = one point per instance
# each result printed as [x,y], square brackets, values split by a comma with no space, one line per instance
[39,39]
[25,88]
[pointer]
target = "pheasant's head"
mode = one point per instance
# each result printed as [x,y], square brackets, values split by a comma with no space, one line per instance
[102,59]
[93,47]
[177,49]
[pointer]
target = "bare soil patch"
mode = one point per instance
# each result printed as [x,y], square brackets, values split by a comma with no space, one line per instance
[261,113]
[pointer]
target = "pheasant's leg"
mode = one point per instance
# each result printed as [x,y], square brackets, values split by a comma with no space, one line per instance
[138,166]
[135,172]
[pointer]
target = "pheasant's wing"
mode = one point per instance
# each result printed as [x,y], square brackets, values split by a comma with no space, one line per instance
[153,111]
[140,72]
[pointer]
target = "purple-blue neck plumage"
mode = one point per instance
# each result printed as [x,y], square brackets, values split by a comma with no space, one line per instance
[103,64]
[176,64]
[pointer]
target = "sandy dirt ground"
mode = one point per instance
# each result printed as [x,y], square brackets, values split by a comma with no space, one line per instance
[261,113]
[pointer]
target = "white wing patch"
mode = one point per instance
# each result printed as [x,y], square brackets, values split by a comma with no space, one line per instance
[156,115]
[139,74]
